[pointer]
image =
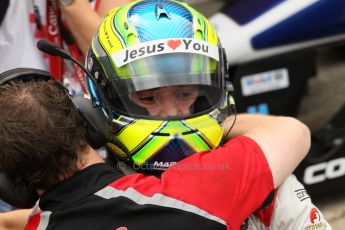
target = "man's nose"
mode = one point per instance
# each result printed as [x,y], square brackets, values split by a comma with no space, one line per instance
[168,108]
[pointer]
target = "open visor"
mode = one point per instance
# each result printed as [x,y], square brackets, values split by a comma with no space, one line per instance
[150,87]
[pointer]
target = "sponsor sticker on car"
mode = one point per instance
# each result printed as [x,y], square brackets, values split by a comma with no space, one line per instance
[265,82]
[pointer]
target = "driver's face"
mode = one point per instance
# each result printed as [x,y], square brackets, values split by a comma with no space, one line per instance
[167,101]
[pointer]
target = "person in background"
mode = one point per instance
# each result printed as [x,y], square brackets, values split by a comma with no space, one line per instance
[69,23]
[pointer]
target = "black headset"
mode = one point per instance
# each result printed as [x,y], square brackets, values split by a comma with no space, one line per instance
[97,132]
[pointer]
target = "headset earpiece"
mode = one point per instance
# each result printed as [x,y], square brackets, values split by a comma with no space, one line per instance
[16,194]
[98,129]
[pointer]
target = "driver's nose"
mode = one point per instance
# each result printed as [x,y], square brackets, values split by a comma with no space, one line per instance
[168,108]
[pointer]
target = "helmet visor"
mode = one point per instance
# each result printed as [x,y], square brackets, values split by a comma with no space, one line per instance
[169,85]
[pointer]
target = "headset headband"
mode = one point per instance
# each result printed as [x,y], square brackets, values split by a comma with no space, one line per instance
[25,74]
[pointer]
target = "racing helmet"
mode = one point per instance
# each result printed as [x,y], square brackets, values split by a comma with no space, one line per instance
[146,54]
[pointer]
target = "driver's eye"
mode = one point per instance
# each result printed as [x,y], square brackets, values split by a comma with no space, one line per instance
[147,100]
[184,96]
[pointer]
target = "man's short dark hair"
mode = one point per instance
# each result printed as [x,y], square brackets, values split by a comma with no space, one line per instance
[40,133]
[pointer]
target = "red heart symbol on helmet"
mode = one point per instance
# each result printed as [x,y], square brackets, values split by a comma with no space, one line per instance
[173,44]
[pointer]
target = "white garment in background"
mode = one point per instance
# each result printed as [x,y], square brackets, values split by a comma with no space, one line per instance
[19,36]
[17,40]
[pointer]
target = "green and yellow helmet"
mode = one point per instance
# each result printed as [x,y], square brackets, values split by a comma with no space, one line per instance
[145,54]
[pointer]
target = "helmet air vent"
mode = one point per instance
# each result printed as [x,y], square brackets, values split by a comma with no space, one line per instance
[161,12]
[190,132]
[161,134]
[126,25]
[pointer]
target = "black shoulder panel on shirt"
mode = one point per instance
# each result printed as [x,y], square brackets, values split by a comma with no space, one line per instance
[268,200]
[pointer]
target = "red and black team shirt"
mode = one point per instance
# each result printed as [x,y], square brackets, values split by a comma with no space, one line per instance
[209,190]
